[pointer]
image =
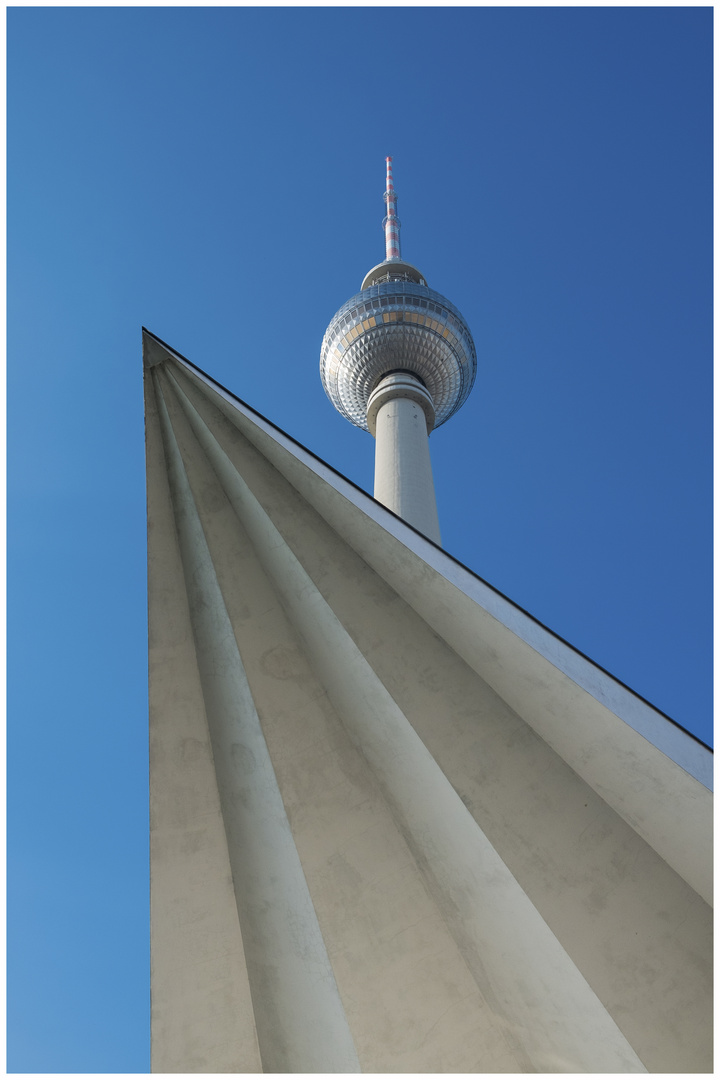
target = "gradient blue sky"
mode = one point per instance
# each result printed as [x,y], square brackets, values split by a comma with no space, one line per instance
[216,175]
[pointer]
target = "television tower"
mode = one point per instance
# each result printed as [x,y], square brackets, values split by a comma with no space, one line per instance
[398,360]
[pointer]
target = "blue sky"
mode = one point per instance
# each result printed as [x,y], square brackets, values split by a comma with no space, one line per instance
[216,175]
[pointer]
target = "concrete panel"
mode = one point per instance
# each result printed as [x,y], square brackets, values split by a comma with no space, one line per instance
[491,887]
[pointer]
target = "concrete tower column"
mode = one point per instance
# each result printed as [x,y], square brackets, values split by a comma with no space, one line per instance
[401,416]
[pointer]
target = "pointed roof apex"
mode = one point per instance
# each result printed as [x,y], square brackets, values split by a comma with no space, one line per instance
[154,350]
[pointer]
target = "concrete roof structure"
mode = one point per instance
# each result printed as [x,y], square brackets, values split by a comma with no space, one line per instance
[397,825]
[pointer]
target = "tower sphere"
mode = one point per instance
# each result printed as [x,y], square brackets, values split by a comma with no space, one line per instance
[396,324]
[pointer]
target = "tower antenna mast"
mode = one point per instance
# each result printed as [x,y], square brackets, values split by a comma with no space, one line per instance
[391,222]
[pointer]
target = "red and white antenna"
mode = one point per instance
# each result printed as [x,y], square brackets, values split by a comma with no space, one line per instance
[391,223]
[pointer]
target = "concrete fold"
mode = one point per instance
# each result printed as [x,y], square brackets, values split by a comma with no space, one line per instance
[445,842]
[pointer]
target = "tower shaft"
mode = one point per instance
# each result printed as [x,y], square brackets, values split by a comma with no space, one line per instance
[401,416]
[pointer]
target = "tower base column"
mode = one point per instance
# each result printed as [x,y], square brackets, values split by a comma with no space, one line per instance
[401,416]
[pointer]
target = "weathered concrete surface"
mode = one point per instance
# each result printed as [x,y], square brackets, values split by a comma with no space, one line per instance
[484,903]
[202,1017]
